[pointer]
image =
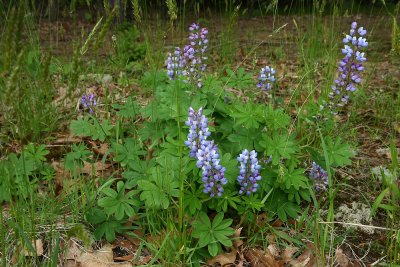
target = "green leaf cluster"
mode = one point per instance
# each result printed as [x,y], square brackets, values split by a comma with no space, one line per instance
[214,234]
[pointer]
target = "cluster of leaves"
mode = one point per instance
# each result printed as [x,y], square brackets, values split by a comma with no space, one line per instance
[154,160]
[20,174]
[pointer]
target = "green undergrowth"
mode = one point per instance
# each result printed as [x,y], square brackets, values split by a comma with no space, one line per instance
[124,171]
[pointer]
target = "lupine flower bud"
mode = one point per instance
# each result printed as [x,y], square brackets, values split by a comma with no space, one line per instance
[320,177]
[350,68]
[248,172]
[88,102]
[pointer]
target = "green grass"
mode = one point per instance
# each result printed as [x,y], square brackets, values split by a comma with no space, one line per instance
[45,196]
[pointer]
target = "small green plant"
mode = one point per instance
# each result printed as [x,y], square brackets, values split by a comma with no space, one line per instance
[213,234]
[77,157]
[106,226]
[239,79]
[119,202]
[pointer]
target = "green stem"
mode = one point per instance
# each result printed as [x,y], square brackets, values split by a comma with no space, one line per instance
[330,216]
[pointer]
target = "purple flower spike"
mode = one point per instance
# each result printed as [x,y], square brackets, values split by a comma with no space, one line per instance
[198,131]
[191,61]
[249,172]
[206,153]
[175,64]
[195,53]
[213,174]
[320,177]
[266,79]
[350,68]
[89,102]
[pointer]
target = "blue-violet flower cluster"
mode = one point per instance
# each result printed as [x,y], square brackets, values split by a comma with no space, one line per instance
[88,102]
[195,53]
[249,172]
[213,173]
[350,67]
[206,153]
[198,131]
[175,63]
[190,63]
[320,177]
[266,79]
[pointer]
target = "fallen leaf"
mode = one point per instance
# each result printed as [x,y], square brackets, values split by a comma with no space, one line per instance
[98,258]
[94,168]
[65,139]
[305,259]
[37,245]
[237,242]
[124,258]
[224,259]
[274,250]
[396,127]
[74,251]
[101,149]
[277,223]
[386,152]
[262,219]
[258,258]
[341,258]
[287,254]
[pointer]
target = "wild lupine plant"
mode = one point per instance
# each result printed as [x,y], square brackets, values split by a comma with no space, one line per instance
[190,63]
[206,153]
[350,67]
[249,172]
[88,102]
[320,177]
[266,79]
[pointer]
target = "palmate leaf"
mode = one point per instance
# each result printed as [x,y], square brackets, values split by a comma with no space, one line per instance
[81,127]
[246,138]
[249,115]
[153,196]
[339,154]
[279,203]
[230,199]
[193,201]
[279,146]
[91,128]
[36,153]
[239,80]
[128,110]
[157,191]
[295,179]
[120,202]
[127,153]
[275,119]
[288,209]
[211,234]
